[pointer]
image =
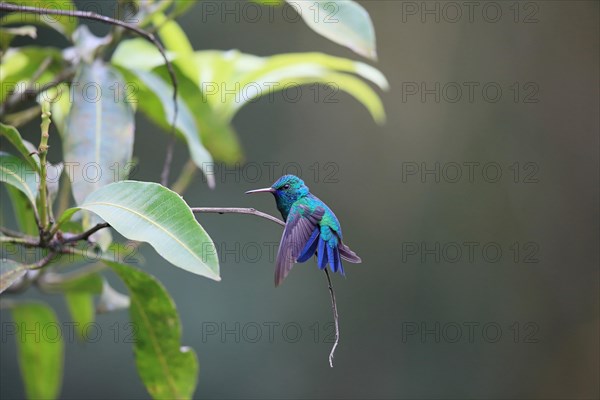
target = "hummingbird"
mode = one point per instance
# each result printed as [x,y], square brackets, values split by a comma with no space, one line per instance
[310,227]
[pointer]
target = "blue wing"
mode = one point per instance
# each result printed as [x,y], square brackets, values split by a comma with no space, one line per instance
[299,231]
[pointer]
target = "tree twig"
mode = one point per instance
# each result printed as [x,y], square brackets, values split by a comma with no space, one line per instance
[86,235]
[249,211]
[252,211]
[43,262]
[27,241]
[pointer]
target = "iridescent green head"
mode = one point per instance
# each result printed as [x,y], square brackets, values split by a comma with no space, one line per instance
[287,190]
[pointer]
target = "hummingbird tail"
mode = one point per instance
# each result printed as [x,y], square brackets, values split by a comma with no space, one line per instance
[348,254]
[335,263]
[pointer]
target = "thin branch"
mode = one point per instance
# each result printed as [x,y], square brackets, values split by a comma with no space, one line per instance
[249,211]
[43,262]
[28,241]
[335,318]
[87,253]
[86,235]
[252,211]
[44,204]
[102,18]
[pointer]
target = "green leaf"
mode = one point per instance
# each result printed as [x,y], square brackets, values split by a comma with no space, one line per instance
[149,212]
[74,282]
[168,370]
[344,22]
[139,54]
[260,76]
[10,272]
[127,253]
[23,206]
[98,134]
[61,23]
[213,111]
[81,308]
[350,84]
[306,65]
[19,174]
[22,146]
[23,210]
[99,130]
[40,349]
[20,66]
[157,104]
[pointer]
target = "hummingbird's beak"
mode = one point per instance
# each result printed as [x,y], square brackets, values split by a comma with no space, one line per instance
[265,190]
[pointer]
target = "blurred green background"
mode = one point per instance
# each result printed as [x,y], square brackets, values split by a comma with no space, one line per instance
[417,321]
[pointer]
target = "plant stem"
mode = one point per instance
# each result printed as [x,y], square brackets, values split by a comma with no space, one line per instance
[43,152]
[88,254]
[85,235]
[28,241]
[249,211]
[43,262]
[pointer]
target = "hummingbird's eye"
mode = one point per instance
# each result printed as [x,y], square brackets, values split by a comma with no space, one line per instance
[286,186]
